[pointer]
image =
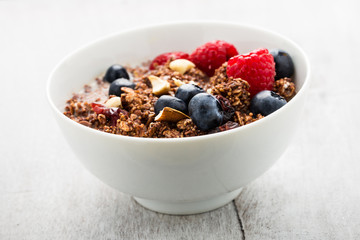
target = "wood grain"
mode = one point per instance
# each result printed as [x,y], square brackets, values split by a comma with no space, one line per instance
[313,191]
[103,213]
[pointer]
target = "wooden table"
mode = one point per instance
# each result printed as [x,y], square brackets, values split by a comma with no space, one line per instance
[312,192]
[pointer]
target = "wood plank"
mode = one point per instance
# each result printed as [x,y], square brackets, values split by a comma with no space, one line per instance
[313,191]
[81,207]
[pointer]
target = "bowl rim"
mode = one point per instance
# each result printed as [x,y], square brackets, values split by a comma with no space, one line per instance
[184,139]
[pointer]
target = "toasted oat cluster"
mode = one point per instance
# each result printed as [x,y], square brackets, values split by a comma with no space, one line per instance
[173,98]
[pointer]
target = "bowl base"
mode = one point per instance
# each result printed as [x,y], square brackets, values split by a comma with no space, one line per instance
[186,208]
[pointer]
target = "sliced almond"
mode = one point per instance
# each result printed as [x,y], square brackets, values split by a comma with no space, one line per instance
[181,65]
[192,82]
[171,115]
[209,90]
[178,82]
[113,102]
[159,86]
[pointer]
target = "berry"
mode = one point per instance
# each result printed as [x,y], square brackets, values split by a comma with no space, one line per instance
[227,110]
[205,111]
[114,72]
[170,101]
[284,66]
[266,102]
[187,91]
[256,67]
[212,55]
[230,49]
[112,114]
[163,58]
[115,86]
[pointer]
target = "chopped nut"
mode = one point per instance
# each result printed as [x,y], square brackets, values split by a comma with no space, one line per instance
[178,82]
[127,90]
[159,86]
[181,65]
[113,102]
[85,123]
[195,83]
[171,115]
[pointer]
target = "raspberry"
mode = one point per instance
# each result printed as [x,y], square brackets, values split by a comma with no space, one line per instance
[212,55]
[112,114]
[230,49]
[163,58]
[256,67]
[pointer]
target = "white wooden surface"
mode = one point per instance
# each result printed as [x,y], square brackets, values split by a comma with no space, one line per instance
[312,192]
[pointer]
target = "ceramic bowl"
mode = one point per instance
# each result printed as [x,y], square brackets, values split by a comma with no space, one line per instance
[177,176]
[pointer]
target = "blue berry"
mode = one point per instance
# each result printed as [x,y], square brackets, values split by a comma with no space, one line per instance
[115,72]
[205,111]
[187,91]
[266,102]
[284,66]
[227,110]
[115,86]
[170,101]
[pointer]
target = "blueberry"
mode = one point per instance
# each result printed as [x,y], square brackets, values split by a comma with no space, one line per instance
[187,91]
[115,72]
[266,102]
[227,110]
[115,86]
[170,101]
[205,111]
[284,66]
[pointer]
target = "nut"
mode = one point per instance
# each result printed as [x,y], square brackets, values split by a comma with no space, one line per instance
[178,82]
[192,82]
[181,65]
[113,102]
[209,90]
[171,115]
[159,86]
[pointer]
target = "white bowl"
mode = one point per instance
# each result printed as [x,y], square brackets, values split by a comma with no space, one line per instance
[177,176]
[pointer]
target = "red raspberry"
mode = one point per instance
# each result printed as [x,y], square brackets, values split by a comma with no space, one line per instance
[230,49]
[163,58]
[256,67]
[112,114]
[212,55]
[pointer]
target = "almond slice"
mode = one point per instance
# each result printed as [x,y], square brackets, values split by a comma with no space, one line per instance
[159,86]
[192,82]
[178,82]
[181,65]
[113,102]
[171,115]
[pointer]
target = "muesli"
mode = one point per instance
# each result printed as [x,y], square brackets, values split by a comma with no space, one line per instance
[213,89]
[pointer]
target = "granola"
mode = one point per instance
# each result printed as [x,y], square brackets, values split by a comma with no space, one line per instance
[133,112]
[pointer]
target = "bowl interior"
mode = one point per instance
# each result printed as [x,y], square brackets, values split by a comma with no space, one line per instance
[134,47]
